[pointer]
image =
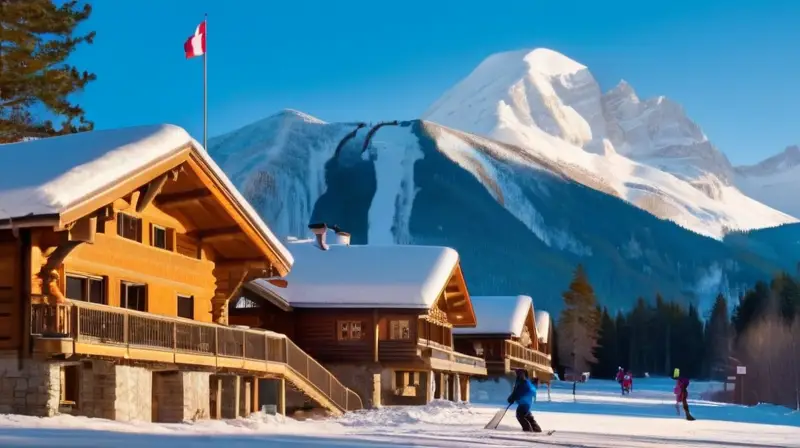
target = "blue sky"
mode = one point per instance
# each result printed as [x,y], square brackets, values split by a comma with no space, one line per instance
[734,65]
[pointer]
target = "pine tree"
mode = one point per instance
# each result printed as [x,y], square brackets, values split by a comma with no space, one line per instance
[623,340]
[36,39]
[718,339]
[608,349]
[579,324]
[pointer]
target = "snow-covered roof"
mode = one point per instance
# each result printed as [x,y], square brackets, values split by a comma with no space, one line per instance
[499,315]
[49,176]
[365,276]
[542,319]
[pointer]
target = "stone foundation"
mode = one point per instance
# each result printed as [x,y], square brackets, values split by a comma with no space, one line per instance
[115,392]
[180,396]
[231,396]
[361,380]
[32,389]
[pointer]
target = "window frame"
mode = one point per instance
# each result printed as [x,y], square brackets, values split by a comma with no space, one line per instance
[350,327]
[153,229]
[400,336]
[87,287]
[124,300]
[121,217]
[187,297]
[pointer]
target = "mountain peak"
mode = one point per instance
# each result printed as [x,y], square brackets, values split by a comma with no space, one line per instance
[552,63]
[783,161]
[296,114]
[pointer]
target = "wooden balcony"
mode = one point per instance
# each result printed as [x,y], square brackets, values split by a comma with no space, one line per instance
[86,330]
[519,356]
[444,358]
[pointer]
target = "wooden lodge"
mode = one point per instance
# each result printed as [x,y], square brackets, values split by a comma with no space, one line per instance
[119,253]
[509,336]
[380,317]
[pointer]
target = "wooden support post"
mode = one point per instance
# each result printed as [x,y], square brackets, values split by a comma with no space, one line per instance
[376,343]
[218,392]
[281,396]
[254,395]
[237,395]
[465,388]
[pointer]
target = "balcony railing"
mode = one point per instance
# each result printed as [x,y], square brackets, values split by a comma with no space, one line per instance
[520,352]
[440,351]
[100,324]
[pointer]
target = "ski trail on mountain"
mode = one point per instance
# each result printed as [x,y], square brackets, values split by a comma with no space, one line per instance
[395,151]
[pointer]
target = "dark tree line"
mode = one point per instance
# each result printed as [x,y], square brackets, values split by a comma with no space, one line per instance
[657,338]
[766,340]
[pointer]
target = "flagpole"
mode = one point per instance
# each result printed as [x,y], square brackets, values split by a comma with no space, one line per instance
[205,85]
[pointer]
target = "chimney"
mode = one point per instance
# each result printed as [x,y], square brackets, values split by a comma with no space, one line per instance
[320,229]
[342,237]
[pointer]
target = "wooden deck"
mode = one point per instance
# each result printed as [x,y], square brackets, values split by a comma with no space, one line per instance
[518,356]
[443,358]
[89,330]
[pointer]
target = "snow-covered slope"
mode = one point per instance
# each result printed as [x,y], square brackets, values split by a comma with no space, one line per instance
[775,181]
[596,417]
[520,220]
[648,153]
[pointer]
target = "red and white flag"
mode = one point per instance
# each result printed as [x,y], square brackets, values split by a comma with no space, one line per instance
[196,45]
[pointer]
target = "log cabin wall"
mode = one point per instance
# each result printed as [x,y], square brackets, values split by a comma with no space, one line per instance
[349,335]
[317,331]
[398,335]
[263,314]
[11,312]
[154,267]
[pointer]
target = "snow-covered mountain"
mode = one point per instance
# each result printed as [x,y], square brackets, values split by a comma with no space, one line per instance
[527,168]
[647,152]
[774,181]
[520,220]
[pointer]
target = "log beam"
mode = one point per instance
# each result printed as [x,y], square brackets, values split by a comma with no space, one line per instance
[173,200]
[221,234]
[83,230]
[151,191]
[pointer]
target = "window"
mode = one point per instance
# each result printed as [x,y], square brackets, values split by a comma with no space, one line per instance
[186,307]
[133,296]
[349,330]
[129,227]
[244,302]
[399,329]
[159,237]
[69,385]
[86,289]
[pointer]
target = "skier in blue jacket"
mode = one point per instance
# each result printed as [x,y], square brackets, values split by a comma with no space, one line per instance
[524,394]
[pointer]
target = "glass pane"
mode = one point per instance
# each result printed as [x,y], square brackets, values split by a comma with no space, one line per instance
[97,291]
[159,237]
[186,307]
[137,293]
[76,288]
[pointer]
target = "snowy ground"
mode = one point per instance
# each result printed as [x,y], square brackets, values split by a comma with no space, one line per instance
[597,417]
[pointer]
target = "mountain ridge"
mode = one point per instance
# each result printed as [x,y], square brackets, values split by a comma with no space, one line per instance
[421,183]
